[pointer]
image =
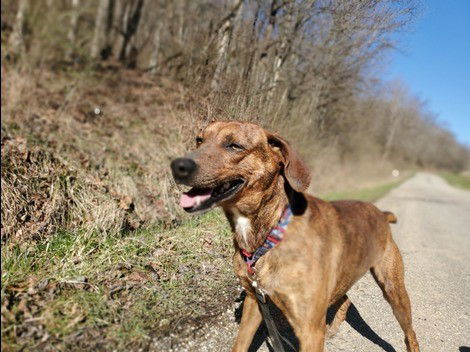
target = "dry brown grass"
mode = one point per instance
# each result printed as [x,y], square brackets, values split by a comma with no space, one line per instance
[89,218]
[109,171]
[38,193]
[110,168]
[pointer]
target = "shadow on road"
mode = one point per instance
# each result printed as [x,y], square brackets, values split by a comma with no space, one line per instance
[353,318]
[261,335]
[357,323]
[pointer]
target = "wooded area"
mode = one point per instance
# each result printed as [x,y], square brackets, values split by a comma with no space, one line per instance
[304,66]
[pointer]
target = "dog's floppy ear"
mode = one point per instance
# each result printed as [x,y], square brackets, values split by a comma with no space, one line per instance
[295,170]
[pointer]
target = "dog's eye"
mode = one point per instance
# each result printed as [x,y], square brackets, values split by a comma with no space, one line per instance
[235,146]
[199,140]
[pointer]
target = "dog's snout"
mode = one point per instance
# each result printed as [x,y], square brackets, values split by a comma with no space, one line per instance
[183,168]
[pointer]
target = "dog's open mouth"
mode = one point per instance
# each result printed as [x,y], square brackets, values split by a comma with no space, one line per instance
[198,199]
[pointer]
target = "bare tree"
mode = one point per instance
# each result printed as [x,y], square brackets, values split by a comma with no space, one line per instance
[16,41]
[224,33]
[71,35]
[131,19]
[395,115]
[153,62]
[301,64]
[99,38]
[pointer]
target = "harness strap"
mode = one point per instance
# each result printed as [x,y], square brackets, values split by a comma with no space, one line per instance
[272,240]
[273,332]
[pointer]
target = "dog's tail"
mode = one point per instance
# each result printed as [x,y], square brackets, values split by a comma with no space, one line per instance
[391,218]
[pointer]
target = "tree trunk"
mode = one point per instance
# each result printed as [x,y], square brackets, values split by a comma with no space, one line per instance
[99,37]
[16,41]
[181,12]
[224,33]
[391,135]
[284,49]
[120,18]
[156,48]
[132,17]
[71,35]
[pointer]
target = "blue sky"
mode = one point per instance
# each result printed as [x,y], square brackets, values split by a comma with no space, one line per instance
[434,61]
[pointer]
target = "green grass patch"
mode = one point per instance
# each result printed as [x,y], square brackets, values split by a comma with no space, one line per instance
[457,180]
[89,291]
[368,194]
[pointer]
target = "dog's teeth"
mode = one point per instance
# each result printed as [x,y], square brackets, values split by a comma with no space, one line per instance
[222,188]
[198,201]
[184,188]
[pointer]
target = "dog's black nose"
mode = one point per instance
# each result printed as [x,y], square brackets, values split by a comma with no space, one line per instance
[183,168]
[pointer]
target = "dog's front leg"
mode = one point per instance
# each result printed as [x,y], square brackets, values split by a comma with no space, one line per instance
[308,321]
[312,338]
[251,319]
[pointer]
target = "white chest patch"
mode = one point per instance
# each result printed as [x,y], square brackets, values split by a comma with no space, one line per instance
[242,224]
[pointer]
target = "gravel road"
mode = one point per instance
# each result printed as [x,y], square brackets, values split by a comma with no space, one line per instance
[433,234]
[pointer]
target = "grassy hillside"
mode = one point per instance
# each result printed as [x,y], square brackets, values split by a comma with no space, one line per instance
[78,291]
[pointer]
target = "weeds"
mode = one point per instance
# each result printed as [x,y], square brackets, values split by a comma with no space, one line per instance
[130,288]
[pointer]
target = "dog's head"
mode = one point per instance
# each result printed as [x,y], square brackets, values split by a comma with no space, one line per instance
[233,164]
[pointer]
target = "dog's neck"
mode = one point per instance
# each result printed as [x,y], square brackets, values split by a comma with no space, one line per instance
[251,224]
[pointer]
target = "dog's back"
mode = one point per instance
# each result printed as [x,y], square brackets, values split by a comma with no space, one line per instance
[358,232]
[365,228]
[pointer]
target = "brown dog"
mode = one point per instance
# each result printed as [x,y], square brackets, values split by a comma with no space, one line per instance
[254,175]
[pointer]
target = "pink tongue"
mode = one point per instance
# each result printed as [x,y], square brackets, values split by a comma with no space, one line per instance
[188,201]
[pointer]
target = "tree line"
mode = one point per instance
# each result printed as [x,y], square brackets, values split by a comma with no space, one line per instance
[304,66]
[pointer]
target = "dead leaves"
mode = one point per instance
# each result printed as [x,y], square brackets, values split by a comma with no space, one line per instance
[22,307]
[153,270]
[30,309]
[125,278]
[41,194]
[57,124]
[78,314]
[34,191]
[126,203]
[131,221]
